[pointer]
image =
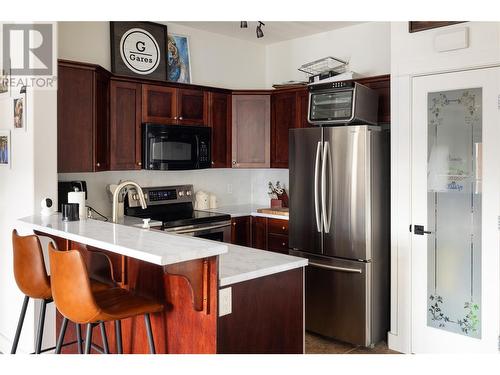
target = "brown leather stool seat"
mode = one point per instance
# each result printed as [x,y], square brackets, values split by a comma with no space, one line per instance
[77,302]
[32,279]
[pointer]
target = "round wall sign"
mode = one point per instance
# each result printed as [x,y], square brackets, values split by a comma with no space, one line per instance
[140,51]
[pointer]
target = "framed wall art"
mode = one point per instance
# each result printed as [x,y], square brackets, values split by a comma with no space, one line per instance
[138,49]
[415,26]
[5,149]
[19,112]
[178,59]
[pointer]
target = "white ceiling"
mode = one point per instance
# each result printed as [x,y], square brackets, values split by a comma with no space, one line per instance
[274,31]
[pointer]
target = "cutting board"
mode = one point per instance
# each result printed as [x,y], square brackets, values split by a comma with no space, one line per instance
[274,211]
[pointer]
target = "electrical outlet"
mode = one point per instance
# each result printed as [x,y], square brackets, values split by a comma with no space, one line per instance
[229,188]
[225,301]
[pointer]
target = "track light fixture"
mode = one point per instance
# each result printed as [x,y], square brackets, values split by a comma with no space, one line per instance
[259,31]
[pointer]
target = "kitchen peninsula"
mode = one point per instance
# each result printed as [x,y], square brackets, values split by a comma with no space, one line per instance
[219,298]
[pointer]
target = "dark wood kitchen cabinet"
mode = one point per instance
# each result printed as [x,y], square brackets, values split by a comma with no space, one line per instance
[251,120]
[219,120]
[82,118]
[284,117]
[173,106]
[240,231]
[125,125]
[270,234]
[303,108]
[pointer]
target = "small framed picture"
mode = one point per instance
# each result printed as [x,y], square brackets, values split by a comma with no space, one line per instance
[4,83]
[19,113]
[5,149]
[178,59]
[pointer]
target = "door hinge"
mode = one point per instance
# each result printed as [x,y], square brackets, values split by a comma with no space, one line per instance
[498,101]
[498,222]
[410,227]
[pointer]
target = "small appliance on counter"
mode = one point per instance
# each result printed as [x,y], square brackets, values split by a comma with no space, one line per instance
[65,187]
[70,212]
[47,206]
[202,201]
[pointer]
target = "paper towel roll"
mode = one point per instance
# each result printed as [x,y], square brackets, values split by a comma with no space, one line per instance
[78,197]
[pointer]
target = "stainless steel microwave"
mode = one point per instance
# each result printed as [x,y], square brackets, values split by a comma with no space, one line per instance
[173,147]
[342,103]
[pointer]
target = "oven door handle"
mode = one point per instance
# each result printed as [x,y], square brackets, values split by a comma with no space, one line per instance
[198,229]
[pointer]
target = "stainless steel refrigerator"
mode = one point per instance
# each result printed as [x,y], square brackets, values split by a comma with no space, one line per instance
[339,220]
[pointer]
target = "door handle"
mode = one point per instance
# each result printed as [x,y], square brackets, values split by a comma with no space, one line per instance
[334,268]
[316,194]
[419,229]
[324,210]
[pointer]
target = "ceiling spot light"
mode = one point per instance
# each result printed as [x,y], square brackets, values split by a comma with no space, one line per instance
[259,31]
[243,24]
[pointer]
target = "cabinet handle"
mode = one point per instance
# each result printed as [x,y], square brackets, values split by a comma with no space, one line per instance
[97,164]
[234,162]
[283,228]
[175,117]
[234,224]
[139,163]
[180,118]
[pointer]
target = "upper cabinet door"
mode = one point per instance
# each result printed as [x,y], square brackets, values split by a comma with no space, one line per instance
[191,107]
[303,109]
[251,118]
[125,126]
[284,117]
[74,120]
[220,122]
[159,104]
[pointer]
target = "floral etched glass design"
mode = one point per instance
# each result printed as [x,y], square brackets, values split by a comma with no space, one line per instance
[454,211]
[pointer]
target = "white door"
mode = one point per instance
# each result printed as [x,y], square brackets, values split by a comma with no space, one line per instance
[455,198]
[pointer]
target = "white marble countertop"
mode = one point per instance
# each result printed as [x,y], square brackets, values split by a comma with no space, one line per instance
[147,245]
[242,263]
[245,210]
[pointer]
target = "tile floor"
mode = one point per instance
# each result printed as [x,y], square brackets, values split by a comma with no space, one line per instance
[320,345]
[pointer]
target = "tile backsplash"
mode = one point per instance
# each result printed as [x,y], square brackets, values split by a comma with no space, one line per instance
[231,186]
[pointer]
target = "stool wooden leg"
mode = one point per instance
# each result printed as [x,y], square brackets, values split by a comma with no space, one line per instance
[88,338]
[118,336]
[20,325]
[41,323]
[104,338]
[62,333]
[149,331]
[79,338]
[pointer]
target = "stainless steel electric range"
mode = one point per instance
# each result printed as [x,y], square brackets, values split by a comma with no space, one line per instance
[173,207]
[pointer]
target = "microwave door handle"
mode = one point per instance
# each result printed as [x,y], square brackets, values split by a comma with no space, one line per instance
[316,193]
[197,149]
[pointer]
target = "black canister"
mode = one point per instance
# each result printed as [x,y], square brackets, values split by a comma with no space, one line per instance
[70,212]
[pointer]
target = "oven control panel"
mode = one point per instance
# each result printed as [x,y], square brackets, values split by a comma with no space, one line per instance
[162,195]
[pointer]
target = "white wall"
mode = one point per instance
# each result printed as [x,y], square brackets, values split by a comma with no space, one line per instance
[366,46]
[414,54]
[33,175]
[231,186]
[216,60]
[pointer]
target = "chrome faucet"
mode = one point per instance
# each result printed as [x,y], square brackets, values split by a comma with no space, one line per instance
[117,193]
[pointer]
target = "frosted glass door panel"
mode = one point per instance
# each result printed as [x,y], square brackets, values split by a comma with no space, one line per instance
[454,210]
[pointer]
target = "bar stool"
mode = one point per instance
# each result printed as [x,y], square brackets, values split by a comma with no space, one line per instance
[77,302]
[32,279]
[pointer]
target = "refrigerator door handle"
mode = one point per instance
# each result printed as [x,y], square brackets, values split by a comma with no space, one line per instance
[316,194]
[326,212]
[334,268]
